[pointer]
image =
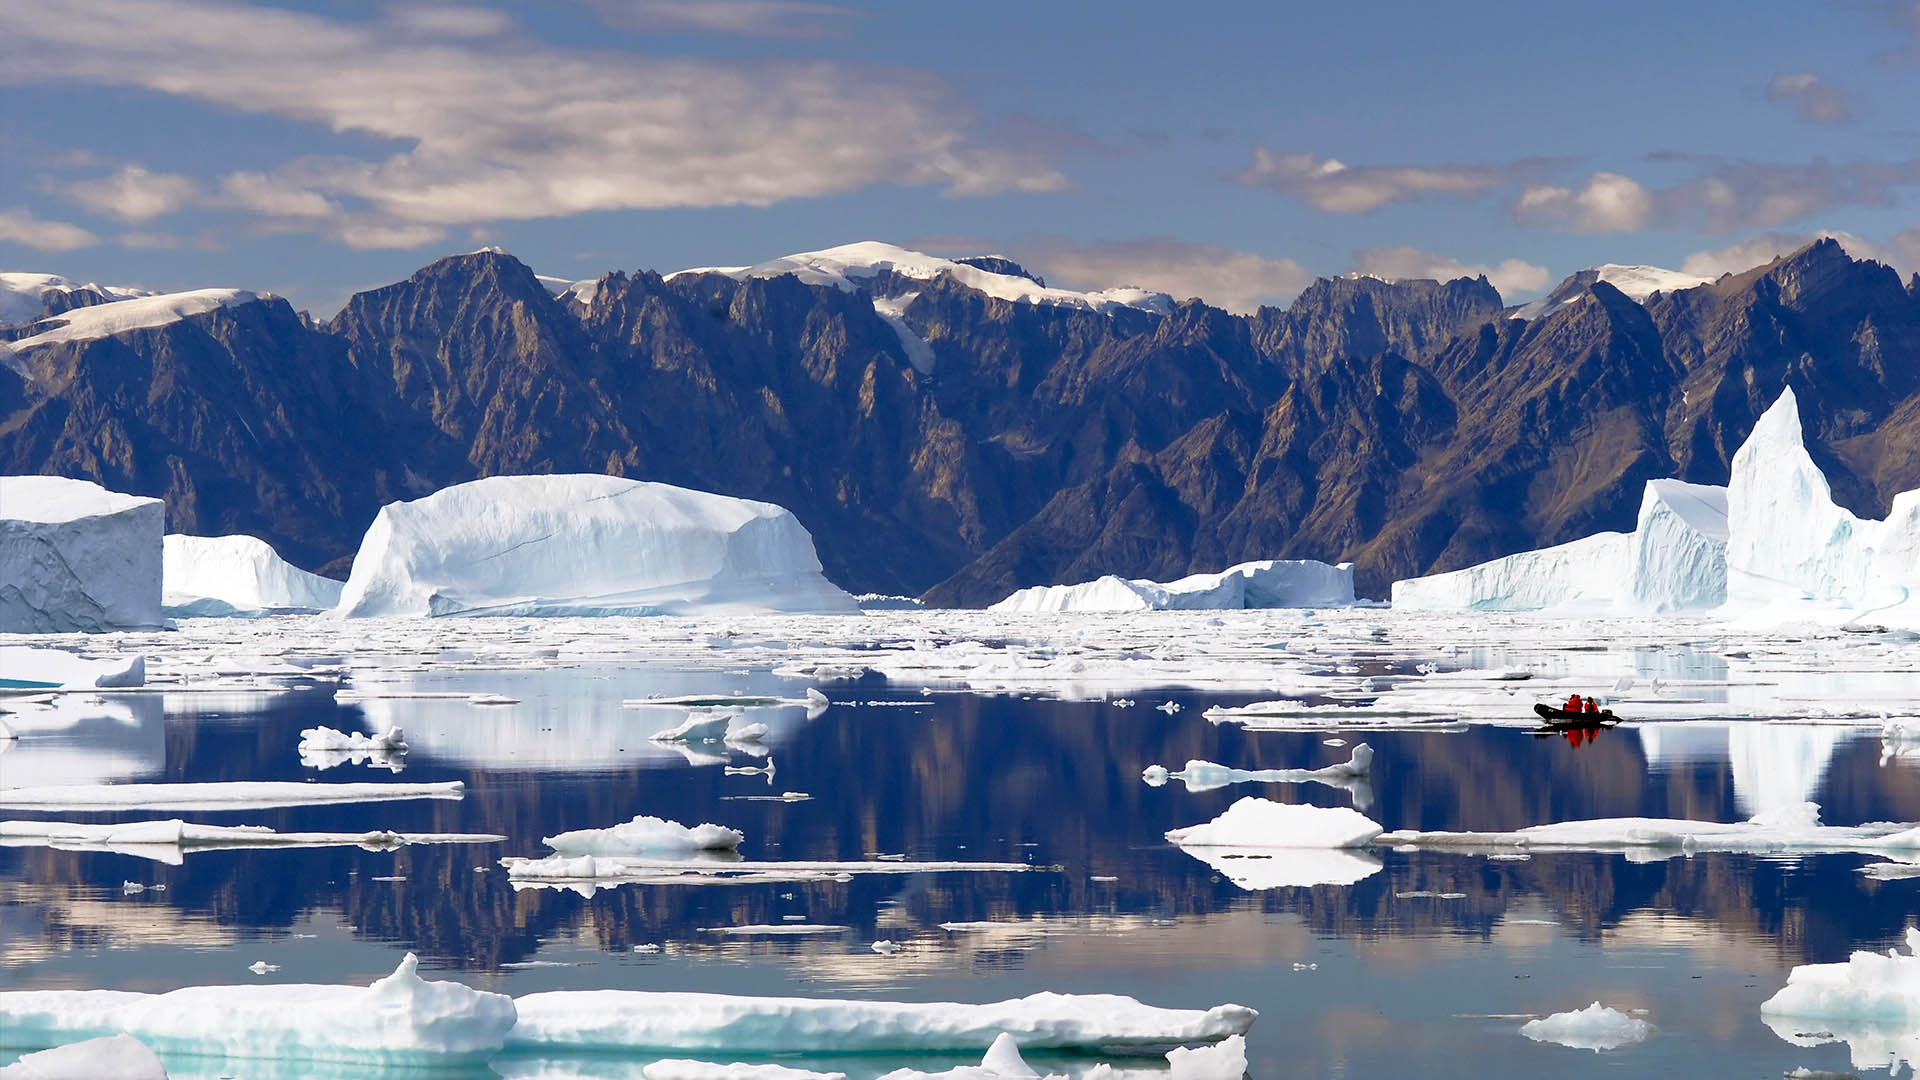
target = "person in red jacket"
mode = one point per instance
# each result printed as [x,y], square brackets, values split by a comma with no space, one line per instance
[1593,707]
[1573,704]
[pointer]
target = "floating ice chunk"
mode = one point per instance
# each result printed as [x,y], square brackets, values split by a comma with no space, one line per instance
[645,834]
[747,733]
[26,666]
[398,1020]
[1786,829]
[1869,988]
[1206,776]
[1168,707]
[75,556]
[1595,1028]
[238,575]
[1265,584]
[1224,1060]
[1262,823]
[326,738]
[701,725]
[227,795]
[585,545]
[887,948]
[168,841]
[687,1069]
[261,967]
[627,1019]
[114,1057]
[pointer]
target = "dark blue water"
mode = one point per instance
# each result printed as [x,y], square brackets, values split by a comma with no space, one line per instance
[1402,985]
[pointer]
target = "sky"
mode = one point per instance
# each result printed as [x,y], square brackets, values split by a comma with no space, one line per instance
[1233,151]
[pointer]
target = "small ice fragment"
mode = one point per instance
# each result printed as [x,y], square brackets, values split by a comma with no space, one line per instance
[492,699]
[816,699]
[887,948]
[1333,742]
[1224,1060]
[1297,966]
[647,948]
[261,967]
[1103,877]
[1155,775]
[1123,703]
[1595,1028]
[131,888]
[1623,684]
[1169,707]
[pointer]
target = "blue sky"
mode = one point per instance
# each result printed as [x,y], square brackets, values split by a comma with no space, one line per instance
[1228,150]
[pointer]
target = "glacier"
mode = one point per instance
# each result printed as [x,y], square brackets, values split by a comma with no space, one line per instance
[143,312]
[77,557]
[585,545]
[235,575]
[1271,583]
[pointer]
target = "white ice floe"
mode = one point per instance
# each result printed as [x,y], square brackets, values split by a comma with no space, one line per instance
[25,665]
[1595,1028]
[1263,823]
[1871,1002]
[169,841]
[688,1069]
[398,1020]
[110,1057]
[1206,775]
[223,795]
[326,738]
[615,1020]
[77,557]
[1784,829]
[700,725]
[586,874]
[237,575]
[1266,584]
[1224,1060]
[585,545]
[851,268]
[645,835]
[134,313]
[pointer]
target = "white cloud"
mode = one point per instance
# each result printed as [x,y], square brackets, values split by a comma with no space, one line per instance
[754,18]
[507,128]
[262,194]
[133,194]
[1814,99]
[17,226]
[1513,277]
[366,235]
[449,21]
[1607,202]
[1334,187]
[1900,251]
[1239,281]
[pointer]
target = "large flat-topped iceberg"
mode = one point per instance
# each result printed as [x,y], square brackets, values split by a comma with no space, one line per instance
[236,575]
[844,266]
[624,1020]
[398,1020]
[75,556]
[585,545]
[1271,583]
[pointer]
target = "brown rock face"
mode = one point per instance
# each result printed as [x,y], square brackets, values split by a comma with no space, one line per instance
[1408,427]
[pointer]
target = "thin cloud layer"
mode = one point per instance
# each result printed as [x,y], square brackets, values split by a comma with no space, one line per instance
[750,18]
[17,226]
[492,128]
[133,194]
[1334,187]
[1815,100]
[1239,281]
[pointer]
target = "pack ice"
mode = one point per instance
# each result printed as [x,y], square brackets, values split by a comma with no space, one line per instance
[401,1019]
[585,545]
[237,575]
[1270,583]
[75,556]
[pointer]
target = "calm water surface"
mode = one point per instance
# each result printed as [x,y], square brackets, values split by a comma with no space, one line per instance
[1399,984]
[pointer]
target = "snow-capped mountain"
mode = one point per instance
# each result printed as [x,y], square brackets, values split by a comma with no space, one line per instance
[1637,282]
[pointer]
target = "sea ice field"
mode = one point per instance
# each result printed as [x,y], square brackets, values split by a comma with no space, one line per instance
[896,808]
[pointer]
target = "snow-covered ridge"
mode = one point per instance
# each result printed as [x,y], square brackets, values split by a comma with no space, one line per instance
[1637,282]
[135,313]
[23,296]
[844,267]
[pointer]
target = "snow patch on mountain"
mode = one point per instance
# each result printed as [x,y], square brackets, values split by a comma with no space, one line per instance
[23,296]
[135,313]
[1637,282]
[847,266]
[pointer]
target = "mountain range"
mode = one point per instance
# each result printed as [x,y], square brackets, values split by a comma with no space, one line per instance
[957,429]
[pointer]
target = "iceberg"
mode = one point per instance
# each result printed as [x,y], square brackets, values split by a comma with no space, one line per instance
[401,1019]
[1267,584]
[219,795]
[237,575]
[1595,1028]
[700,725]
[77,557]
[114,1057]
[645,834]
[1583,573]
[624,1020]
[1224,1060]
[23,666]
[1677,552]
[585,545]
[1871,1002]
[1263,823]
